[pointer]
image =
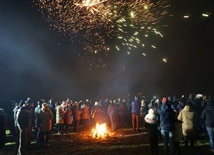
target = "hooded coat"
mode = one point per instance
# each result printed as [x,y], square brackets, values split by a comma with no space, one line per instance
[189,119]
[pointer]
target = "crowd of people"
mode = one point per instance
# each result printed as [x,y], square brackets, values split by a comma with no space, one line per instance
[173,119]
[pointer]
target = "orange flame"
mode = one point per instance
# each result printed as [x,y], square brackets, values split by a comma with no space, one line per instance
[100,131]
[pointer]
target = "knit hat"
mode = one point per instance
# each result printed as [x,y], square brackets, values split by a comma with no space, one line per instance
[151,114]
[164,100]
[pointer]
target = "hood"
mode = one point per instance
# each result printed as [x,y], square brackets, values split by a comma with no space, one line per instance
[187,108]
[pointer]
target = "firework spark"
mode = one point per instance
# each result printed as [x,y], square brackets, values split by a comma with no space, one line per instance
[140,24]
[95,22]
[90,5]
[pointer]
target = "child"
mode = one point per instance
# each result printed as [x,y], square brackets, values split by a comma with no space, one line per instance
[152,129]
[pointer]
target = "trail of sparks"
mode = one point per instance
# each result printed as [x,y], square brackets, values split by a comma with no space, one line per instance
[96,22]
[139,25]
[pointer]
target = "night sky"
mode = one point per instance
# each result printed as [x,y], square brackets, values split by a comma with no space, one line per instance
[36,62]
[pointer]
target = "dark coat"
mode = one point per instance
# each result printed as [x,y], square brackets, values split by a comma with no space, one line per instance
[167,116]
[2,132]
[24,117]
[208,115]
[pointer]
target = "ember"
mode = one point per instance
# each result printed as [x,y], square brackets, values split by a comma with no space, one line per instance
[100,131]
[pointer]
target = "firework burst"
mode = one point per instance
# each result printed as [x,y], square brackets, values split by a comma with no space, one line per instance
[139,24]
[97,22]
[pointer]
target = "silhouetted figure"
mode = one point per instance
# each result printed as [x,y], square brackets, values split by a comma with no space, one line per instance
[2,132]
[24,122]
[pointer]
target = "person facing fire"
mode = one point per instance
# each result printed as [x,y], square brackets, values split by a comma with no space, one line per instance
[68,115]
[97,113]
[24,121]
[112,113]
[59,117]
[85,114]
[46,117]
[135,113]
[76,116]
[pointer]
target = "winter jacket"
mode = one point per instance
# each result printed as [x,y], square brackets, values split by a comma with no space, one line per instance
[152,126]
[189,118]
[167,117]
[208,116]
[59,115]
[136,107]
[46,120]
[86,112]
[97,114]
[24,117]
[76,113]
[68,115]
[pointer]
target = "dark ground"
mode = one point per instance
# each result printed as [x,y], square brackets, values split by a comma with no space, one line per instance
[123,141]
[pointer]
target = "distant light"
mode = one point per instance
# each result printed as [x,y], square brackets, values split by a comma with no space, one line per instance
[165,60]
[205,15]
[186,16]
[144,54]
[153,46]
[117,48]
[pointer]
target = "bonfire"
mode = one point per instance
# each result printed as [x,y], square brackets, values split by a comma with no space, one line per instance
[100,131]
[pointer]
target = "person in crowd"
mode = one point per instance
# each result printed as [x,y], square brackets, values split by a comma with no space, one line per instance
[23,120]
[76,116]
[122,110]
[152,129]
[172,100]
[177,134]
[207,116]
[167,125]
[86,114]
[37,111]
[143,111]
[2,132]
[53,110]
[59,118]
[15,110]
[181,104]
[112,113]
[189,118]
[10,118]
[97,113]
[153,102]
[135,113]
[67,116]
[105,105]
[191,99]
[46,117]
